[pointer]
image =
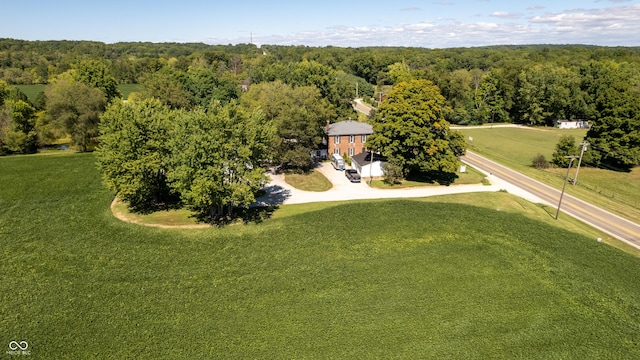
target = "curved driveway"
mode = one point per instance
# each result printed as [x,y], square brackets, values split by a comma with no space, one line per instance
[501,178]
[279,192]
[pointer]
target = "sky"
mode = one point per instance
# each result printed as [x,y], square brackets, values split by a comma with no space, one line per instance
[346,23]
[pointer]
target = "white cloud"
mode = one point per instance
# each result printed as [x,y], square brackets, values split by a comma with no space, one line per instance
[615,25]
[506,15]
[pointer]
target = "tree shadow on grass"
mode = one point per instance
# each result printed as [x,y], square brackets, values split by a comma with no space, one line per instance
[433,177]
[248,215]
[267,202]
[150,207]
[551,211]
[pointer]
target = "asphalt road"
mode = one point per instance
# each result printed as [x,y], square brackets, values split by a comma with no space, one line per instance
[605,221]
[359,106]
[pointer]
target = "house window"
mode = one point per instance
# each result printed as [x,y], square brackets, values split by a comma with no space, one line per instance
[336,139]
[336,151]
[363,150]
[351,151]
[352,139]
[363,138]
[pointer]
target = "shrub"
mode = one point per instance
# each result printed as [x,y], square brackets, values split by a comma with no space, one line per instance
[565,147]
[393,173]
[346,158]
[540,162]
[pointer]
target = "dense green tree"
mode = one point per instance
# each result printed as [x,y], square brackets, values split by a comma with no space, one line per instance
[489,104]
[615,131]
[566,146]
[199,86]
[410,129]
[456,88]
[17,122]
[299,115]
[400,72]
[133,154]
[95,73]
[76,108]
[205,86]
[217,158]
[165,86]
[548,93]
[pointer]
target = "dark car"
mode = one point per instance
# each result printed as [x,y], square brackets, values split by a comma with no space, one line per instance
[352,175]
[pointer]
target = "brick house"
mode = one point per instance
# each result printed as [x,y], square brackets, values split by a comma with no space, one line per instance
[347,137]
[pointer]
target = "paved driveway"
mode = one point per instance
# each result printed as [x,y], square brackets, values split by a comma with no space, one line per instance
[279,192]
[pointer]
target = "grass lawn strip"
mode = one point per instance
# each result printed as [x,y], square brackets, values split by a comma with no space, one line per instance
[516,147]
[311,181]
[470,176]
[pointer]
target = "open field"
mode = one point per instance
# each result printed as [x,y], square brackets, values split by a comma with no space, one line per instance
[32,91]
[126,89]
[394,279]
[516,147]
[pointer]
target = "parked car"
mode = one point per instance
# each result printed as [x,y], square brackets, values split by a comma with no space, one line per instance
[352,175]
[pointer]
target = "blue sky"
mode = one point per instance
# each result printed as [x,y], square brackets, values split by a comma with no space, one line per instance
[430,24]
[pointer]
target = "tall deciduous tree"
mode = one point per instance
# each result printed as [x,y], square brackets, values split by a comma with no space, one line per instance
[217,157]
[165,86]
[17,127]
[549,93]
[133,155]
[615,132]
[410,129]
[299,115]
[95,73]
[76,108]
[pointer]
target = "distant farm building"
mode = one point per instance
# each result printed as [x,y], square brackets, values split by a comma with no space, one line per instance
[573,124]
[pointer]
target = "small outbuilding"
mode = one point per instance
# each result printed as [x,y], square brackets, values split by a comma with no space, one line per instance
[367,168]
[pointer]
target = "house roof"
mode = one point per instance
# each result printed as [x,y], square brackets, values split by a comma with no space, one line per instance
[365,158]
[349,127]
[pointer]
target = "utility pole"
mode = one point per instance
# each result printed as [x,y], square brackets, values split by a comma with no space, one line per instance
[356,89]
[371,168]
[584,148]
[565,184]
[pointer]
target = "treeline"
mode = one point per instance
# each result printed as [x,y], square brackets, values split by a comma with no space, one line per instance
[535,85]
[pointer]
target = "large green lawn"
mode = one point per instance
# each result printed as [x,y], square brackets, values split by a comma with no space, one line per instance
[363,279]
[516,147]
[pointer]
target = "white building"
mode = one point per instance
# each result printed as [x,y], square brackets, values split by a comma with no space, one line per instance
[365,167]
[573,124]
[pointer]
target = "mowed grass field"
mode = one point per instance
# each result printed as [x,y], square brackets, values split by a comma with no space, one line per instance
[32,91]
[433,278]
[515,147]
